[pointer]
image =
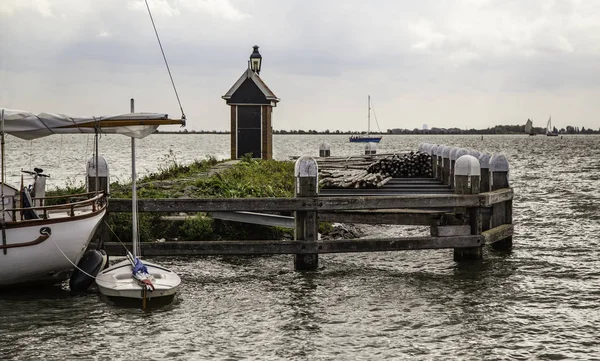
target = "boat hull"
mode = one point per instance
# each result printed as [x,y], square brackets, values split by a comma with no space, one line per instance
[43,262]
[117,282]
[365,139]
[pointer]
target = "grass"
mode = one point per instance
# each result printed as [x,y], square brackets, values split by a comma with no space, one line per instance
[247,178]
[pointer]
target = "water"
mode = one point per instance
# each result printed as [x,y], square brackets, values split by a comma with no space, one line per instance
[540,301]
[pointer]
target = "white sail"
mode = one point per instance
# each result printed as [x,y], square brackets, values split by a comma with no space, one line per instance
[528,126]
[27,125]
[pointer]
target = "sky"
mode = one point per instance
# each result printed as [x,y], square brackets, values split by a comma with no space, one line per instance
[462,63]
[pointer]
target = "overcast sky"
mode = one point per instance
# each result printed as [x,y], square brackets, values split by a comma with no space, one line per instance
[461,63]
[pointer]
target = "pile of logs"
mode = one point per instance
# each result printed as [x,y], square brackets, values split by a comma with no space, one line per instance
[351,179]
[413,164]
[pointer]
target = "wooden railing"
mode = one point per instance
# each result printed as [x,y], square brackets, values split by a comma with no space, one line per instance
[96,201]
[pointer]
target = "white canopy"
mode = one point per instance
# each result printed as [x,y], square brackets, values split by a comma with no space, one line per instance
[26,125]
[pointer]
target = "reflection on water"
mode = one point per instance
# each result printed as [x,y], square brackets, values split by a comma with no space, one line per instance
[539,301]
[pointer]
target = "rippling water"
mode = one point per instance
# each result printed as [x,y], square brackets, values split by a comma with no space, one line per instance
[540,301]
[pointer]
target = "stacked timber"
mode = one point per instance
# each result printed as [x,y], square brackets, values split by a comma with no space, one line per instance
[351,179]
[413,164]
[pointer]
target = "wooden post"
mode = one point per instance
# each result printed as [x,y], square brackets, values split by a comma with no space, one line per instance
[455,153]
[501,212]
[370,148]
[446,165]
[440,162]
[324,150]
[306,172]
[467,173]
[484,163]
[433,152]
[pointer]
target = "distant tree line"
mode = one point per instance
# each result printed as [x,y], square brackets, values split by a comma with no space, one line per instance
[498,129]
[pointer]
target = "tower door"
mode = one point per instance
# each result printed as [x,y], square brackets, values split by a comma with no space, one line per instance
[249,131]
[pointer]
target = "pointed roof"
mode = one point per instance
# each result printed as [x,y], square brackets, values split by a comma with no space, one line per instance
[249,74]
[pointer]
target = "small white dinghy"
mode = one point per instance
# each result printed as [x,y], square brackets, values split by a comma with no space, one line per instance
[131,280]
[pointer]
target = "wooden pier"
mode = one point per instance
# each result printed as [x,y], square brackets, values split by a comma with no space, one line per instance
[467,204]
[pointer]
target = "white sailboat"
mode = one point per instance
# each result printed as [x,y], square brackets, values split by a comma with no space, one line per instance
[550,131]
[42,243]
[368,138]
[132,279]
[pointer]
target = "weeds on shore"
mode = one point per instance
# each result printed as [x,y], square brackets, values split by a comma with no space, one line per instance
[247,178]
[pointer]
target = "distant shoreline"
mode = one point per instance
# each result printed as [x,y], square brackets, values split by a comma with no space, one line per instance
[503,130]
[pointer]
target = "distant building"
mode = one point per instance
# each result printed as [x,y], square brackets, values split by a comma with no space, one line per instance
[425,127]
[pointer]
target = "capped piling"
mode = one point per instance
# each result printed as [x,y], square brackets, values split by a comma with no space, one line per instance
[501,212]
[467,179]
[306,228]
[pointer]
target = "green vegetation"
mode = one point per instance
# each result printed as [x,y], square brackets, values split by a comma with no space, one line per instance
[246,178]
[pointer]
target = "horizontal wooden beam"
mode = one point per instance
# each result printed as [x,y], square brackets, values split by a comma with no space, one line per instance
[400,217]
[498,233]
[255,218]
[497,196]
[297,204]
[203,248]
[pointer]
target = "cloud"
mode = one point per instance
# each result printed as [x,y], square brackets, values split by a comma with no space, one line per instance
[417,59]
[42,7]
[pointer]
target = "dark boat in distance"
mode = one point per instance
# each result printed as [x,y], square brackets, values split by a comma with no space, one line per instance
[529,127]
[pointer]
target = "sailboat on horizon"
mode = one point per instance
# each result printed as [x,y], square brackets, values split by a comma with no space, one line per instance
[367,138]
[529,127]
[550,130]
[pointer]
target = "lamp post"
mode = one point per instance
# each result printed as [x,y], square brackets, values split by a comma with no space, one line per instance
[255,60]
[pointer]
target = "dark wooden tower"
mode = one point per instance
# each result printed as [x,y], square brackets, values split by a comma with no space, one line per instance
[252,104]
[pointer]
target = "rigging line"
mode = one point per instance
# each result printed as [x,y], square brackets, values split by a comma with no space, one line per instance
[113,232]
[375,116]
[63,253]
[165,58]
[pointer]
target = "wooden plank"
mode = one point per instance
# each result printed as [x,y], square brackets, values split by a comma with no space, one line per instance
[497,196]
[498,233]
[255,218]
[450,231]
[203,248]
[382,217]
[296,204]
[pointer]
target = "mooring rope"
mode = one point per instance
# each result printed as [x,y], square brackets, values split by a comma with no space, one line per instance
[46,233]
[165,58]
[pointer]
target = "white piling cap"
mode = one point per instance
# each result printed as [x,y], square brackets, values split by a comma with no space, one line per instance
[467,165]
[102,167]
[453,151]
[421,145]
[484,160]
[433,149]
[440,148]
[426,148]
[371,146]
[474,153]
[446,151]
[306,166]
[498,163]
[458,153]
[324,146]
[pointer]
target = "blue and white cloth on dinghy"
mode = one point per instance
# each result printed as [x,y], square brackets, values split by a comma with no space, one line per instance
[140,273]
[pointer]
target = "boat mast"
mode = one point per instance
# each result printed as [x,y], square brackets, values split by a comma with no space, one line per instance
[2,177]
[369,116]
[134,225]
